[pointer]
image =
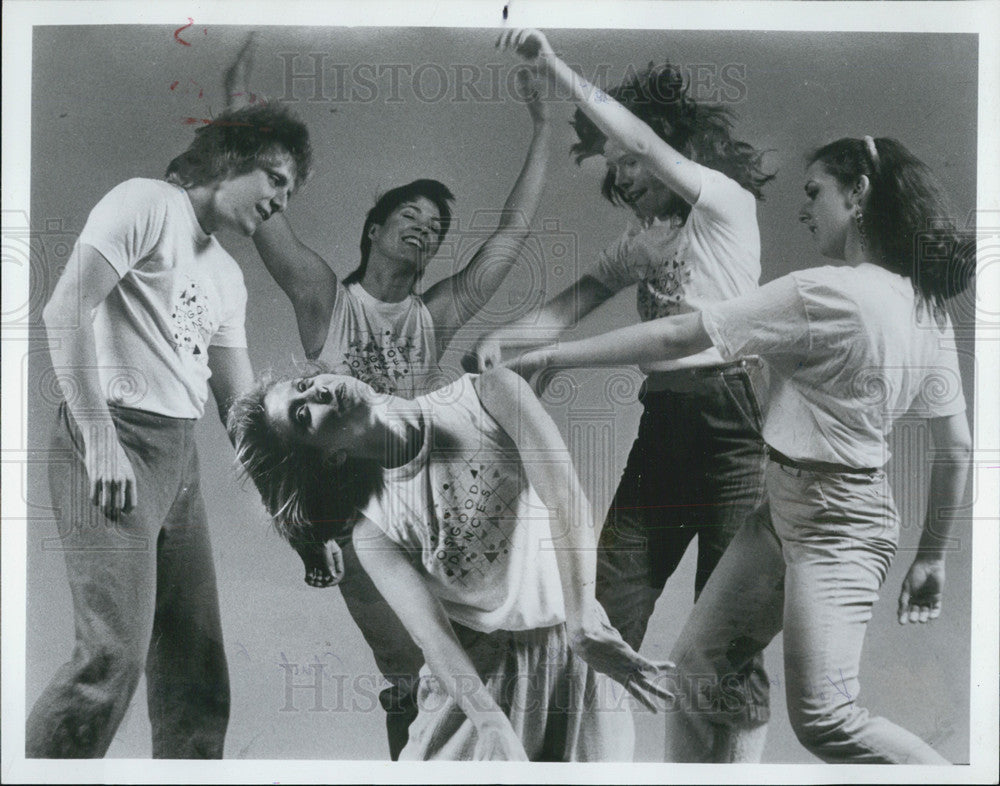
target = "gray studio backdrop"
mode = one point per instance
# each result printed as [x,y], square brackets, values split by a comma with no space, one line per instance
[391,105]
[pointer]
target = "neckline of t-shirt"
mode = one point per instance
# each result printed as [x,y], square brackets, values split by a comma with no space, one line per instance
[200,233]
[414,465]
[358,290]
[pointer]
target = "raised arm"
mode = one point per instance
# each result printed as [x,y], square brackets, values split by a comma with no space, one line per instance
[550,471]
[615,121]
[87,280]
[302,274]
[454,300]
[408,595]
[920,597]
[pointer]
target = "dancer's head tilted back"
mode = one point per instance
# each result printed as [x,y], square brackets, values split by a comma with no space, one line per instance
[701,132]
[293,440]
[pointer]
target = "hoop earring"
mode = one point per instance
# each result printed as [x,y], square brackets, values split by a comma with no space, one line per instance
[859,219]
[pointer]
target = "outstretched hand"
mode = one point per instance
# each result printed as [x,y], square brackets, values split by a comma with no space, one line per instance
[602,647]
[324,563]
[237,79]
[920,597]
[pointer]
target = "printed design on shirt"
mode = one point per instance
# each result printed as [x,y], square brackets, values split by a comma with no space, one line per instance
[475,513]
[662,289]
[384,362]
[192,322]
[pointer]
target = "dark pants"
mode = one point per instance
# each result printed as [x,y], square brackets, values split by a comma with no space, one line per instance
[396,655]
[144,596]
[695,470]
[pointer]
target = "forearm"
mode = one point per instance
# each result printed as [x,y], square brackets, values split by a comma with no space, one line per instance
[614,120]
[524,197]
[450,663]
[668,338]
[949,473]
[73,351]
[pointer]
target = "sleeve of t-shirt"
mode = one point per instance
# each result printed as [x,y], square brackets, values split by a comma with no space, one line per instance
[126,223]
[771,320]
[724,201]
[232,327]
[941,392]
[613,270]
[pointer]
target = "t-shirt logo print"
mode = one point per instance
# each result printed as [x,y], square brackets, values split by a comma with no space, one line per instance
[192,322]
[662,289]
[472,509]
[381,365]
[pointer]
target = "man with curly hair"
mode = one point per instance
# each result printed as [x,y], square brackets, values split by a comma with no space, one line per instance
[147,316]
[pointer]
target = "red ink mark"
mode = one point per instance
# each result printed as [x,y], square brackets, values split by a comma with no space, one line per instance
[179,30]
[201,93]
[173,85]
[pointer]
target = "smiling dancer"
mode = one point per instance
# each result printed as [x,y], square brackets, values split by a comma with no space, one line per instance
[164,321]
[696,468]
[485,548]
[374,326]
[850,348]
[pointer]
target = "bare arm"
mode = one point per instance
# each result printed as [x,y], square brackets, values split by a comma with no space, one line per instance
[302,274]
[550,471]
[455,300]
[87,280]
[667,338]
[407,593]
[680,174]
[232,374]
[920,597]
[561,312]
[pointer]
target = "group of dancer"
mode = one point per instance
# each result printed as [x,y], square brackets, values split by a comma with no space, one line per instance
[505,620]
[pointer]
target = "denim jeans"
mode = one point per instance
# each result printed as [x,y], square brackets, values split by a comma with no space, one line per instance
[695,470]
[810,562]
[144,596]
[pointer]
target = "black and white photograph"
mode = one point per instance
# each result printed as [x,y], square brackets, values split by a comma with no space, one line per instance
[603,391]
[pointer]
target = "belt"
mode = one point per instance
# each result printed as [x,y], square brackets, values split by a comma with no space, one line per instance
[682,380]
[817,466]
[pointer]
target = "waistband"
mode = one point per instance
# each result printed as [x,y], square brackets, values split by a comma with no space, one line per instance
[138,417]
[681,380]
[817,466]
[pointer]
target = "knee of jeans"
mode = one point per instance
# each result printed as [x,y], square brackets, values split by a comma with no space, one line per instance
[820,728]
[117,667]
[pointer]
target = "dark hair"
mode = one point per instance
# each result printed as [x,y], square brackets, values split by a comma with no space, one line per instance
[309,498]
[703,133]
[906,215]
[433,190]
[241,140]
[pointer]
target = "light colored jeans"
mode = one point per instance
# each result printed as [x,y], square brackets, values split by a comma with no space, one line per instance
[810,562]
[144,596]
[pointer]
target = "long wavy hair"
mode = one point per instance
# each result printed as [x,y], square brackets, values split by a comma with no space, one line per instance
[906,218]
[703,133]
[435,191]
[241,140]
[309,498]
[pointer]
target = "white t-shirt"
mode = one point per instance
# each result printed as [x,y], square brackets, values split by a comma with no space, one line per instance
[851,349]
[466,513]
[713,256]
[179,292]
[391,346]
